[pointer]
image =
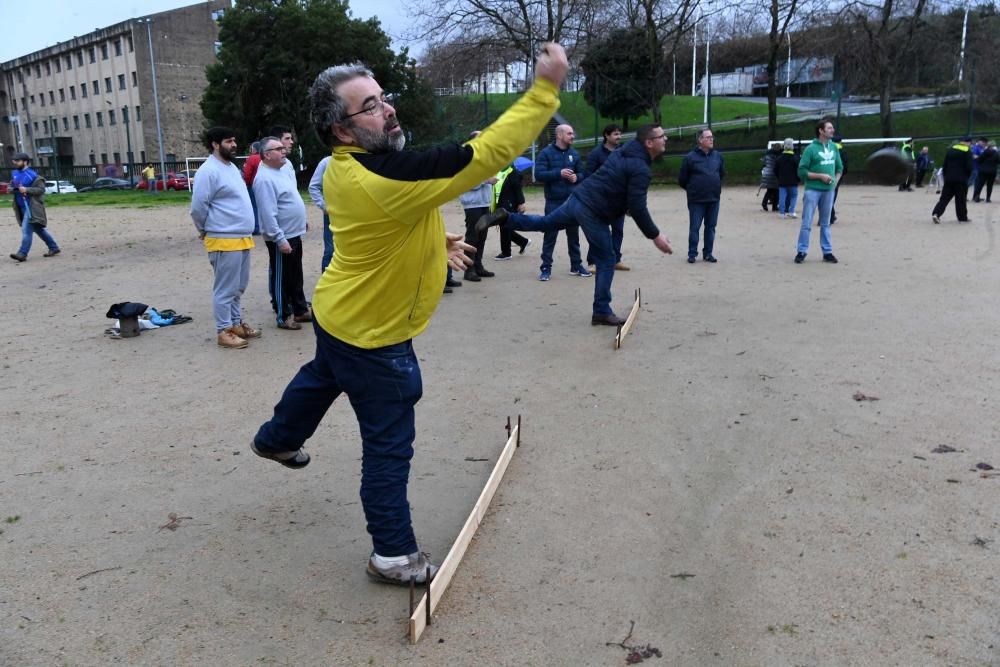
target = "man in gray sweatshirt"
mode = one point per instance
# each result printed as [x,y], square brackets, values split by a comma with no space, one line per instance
[282,215]
[221,211]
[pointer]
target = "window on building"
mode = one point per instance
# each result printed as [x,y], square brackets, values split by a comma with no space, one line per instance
[83,90]
[93,160]
[92,52]
[135,79]
[104,158]
[131,46]
[218,14]
[86,120]
[36,126]
[104,51]
[57,64]
[142,156]
[118,157]
[41,99]
[72,92]
[62,95]
[121,82]
[32,99]
[45,126]
[65,123]
[38,71]
[52,97]
[76,122]
[100,118]
[69,61]
[20,78]
[48,68]
[79,58]
[111,117]
[118,46]
[218,47]
[107,84]
[138,115]
[24,103]
[14,102]
[95,88]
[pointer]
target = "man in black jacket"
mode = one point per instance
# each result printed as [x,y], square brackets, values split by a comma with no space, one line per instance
[701,176]
[619,186]
[956,171]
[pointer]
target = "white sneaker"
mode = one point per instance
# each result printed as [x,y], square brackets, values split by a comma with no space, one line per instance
[791,215]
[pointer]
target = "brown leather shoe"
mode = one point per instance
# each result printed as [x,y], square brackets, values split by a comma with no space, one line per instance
[304,317]
[610,320]
[244,330]
[231,341]
[622,267]
[290,323]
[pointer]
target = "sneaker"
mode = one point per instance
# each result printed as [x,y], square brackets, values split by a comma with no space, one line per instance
[295,460]
[244,330]
[305,317]
[483,273]
[791,215]
[829,257]
[490,219]
[18,256]
[52,252]
[415,567]
[800,257]
[502,257]
[452,283]
[711,259]
[622,267]
[290,324]
[470,275]
[692,260]
[545,275]
[524,247]
[935,218]
[230,340]
[582,272]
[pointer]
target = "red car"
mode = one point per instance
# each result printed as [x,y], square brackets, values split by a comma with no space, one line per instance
[4,187]
[174,182]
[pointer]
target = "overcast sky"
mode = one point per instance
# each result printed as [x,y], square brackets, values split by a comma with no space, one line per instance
[53,21]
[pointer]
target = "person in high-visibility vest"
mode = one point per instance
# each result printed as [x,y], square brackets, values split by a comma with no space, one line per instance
[508,194]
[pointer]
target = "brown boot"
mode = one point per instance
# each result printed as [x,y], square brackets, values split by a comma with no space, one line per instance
[304,317]
[622,267]
[230,340]
[290,323]
[244,330]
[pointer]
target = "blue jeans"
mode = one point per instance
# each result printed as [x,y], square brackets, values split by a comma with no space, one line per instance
[327,243]
[598,233]
[383,386]
[29,228]
[813,199]
[786,198]
[550,237]
[617,236]
[698,212]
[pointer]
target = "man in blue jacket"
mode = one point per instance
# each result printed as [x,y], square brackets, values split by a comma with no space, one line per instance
[618,187]
[701,176]
[560,168]
[612,138]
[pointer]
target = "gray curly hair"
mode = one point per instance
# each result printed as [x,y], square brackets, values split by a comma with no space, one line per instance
[327,107]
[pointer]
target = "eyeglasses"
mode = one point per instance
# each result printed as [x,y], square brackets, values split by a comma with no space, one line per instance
[373,108]
[278,148]
[659,136]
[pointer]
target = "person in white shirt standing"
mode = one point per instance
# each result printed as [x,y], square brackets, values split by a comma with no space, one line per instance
[282,216]
[316,194]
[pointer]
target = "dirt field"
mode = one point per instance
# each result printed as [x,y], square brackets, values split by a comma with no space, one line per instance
[715,481]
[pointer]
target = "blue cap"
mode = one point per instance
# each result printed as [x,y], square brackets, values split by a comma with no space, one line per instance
[522,163]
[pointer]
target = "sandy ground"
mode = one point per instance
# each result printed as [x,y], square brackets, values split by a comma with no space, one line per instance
[722,442]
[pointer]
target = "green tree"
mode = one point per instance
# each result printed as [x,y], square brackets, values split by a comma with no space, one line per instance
[622,79]
[272,50]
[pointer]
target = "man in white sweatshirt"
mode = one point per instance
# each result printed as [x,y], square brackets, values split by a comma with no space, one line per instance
[223,216]
[282,215]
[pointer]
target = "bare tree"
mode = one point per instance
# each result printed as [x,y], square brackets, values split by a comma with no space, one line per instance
[781,14]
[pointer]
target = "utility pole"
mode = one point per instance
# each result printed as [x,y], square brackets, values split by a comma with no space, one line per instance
[788,68]
[961,51]
[694,59]
[55,151]
[156,99]
[128,143]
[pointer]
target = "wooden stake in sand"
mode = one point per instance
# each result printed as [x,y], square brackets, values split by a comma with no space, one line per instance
[420,615]
[629,321]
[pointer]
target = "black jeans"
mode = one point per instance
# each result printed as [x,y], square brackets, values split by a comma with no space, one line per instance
[956,189]
[286,271]
[472,216]
[981,180]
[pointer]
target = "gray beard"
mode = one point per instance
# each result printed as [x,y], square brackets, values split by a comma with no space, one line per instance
[375,141]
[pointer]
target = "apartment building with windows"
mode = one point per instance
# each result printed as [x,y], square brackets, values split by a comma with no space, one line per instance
[90,99]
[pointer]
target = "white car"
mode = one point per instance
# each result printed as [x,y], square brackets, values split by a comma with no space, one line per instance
[63,186]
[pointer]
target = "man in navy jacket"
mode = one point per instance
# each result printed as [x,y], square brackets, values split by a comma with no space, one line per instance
[560,168]
[618,187]
[701,176]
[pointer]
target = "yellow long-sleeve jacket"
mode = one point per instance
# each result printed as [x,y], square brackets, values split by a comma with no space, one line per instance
[389,264]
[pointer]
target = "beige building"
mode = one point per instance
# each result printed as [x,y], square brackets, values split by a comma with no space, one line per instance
[87,100]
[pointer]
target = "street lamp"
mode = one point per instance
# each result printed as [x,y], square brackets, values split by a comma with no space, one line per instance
[129,167]
[156,99]
[52,146]
[788,68]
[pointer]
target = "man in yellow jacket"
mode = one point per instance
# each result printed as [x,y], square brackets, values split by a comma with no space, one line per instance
[384,283]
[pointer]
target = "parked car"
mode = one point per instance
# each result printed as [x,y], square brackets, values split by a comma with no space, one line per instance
[52,188]
[174,182]
[107,183]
